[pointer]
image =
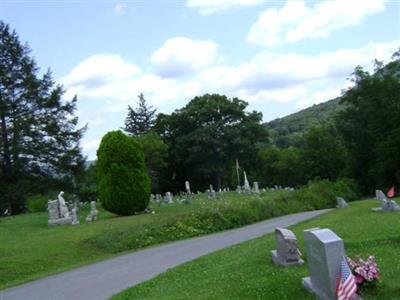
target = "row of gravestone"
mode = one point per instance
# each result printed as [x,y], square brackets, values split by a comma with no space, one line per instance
[60,214]
[325,253]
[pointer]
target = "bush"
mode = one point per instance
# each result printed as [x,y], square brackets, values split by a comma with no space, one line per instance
[37,203]
[319,194]
[123,183]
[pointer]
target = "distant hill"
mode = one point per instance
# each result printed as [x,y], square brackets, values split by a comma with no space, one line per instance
[288,130]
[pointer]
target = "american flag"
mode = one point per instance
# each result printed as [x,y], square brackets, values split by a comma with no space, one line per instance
[347,284]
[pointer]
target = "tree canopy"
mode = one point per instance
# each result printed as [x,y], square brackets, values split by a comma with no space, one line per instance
[206,137]
[370,126]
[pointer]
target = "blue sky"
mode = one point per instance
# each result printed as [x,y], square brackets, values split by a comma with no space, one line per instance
[279,56]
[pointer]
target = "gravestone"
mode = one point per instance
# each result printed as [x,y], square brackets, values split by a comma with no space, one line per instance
[187,186]
[93,212]
[286,253]
[211,194]
[74,216]
[247,188]
[386,204]
[64,211]
[341,203]
[238,189]
[58,211]
[255,187]
[325,251]
[168,197]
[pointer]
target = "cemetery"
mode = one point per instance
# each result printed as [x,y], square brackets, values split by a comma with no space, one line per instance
[165,150]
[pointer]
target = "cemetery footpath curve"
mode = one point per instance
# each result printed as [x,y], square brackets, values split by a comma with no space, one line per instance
[103,279]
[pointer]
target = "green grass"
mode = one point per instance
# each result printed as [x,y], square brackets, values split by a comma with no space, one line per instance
[245,271]
[29,249]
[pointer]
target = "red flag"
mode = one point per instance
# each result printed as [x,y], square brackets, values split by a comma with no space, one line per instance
[391,192]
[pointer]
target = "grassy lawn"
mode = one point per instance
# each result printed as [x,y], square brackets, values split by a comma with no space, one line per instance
[29,249]
[246,271]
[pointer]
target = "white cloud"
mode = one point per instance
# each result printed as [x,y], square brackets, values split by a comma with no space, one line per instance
[120,8]
[271,71]
[107,83]
[100,68]
[296,21]
[181,56]
[208,7]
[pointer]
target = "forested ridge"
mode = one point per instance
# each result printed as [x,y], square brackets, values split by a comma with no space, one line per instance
[288,130]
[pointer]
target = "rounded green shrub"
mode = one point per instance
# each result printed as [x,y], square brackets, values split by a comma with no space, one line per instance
[123,183]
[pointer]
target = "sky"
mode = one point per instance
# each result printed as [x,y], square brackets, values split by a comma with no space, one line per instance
[279,56]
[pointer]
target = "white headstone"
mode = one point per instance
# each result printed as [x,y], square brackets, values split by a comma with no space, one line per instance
[187,186]
[255,187]
[168,197]
[247,188]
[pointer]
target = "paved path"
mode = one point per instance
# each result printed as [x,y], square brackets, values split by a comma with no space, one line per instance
[103,279]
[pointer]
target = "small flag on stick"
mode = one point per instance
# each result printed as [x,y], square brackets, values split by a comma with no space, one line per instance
[391,192]
[347,283]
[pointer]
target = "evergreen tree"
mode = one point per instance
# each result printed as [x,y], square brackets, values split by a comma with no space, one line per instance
[38,135]
[141,120]
[123,183]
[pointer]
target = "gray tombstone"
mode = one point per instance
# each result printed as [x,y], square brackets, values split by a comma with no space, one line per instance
[247,188]
[325,251]
[211,194]
[74,216]
[255,187]
[238,189]
[93,212]
[386,204]
[380,196]
[286,253]
[58,211]
[341,203]
[168,197]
